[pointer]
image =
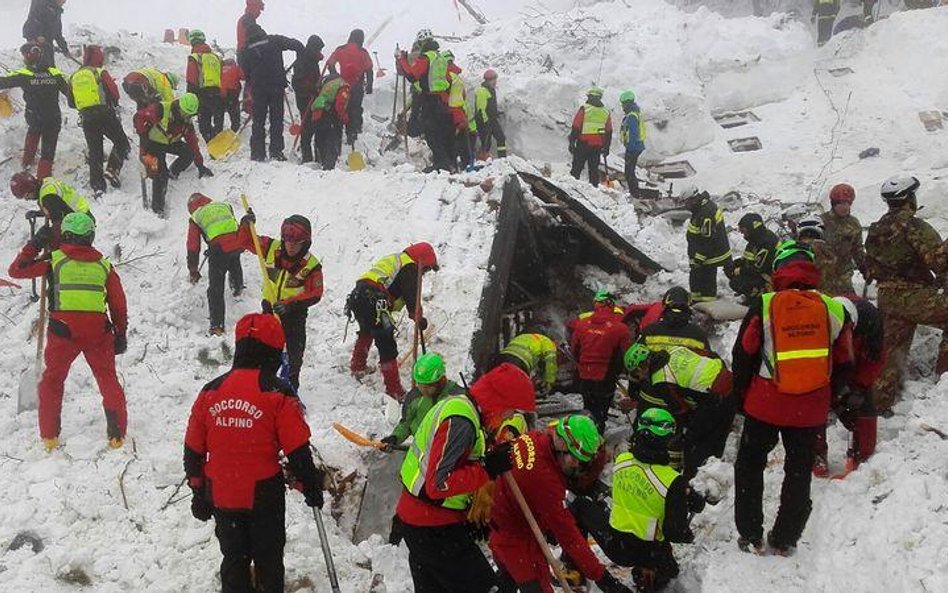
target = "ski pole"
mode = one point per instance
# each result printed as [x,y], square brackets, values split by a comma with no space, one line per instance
[327,553]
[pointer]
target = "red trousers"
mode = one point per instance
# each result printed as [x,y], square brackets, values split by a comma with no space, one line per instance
[522,559]
[98,348]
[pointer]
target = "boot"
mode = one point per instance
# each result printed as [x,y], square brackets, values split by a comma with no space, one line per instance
[864,438]
[44,169]
[393,382]
[30,144]
[360,354]
[820,466]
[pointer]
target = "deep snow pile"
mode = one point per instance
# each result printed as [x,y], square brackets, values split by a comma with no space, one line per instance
[881,529]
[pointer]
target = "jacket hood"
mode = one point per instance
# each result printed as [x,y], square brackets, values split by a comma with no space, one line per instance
[594,101]
[314,44]
[201,48]
[502,389]
[357,36]
[802,275]
[197,200]
[80,252]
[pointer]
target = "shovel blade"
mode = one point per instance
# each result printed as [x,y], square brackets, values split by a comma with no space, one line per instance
[356,161]
[6,108]
[27,392]
[223,145]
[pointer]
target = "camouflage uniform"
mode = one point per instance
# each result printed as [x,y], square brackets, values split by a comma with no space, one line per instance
[908,259]
[844,253]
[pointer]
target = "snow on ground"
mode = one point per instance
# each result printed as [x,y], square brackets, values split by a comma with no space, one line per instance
[881,529]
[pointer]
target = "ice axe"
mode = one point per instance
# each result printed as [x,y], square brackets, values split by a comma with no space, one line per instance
[379,72]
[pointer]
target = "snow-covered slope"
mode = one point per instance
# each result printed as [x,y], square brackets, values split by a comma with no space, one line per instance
[881,529]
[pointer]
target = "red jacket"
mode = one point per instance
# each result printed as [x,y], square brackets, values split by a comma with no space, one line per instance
[599,340]
[151,115]
[353,61]
[538,474]
[644,315]
[192,73]
[231,75]
[591,140]
[238,425]
[110,87]
[313,287]
[502,389]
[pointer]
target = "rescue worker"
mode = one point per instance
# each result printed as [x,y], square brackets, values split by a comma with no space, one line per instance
[542,461]
[294,282]
[650,506]
[430,71]
[590,136]
[41,86]
[675,326]
[843,235]
[354,65]
[810,232]
[431,386]
[708,245]
[238,427]
[55,198]
[231,75]
[824,13]
[535,354]
[44,27]
[329,113]
[487,115]
[306,83]
[598,341]
[214,222]
[907,258]
[750,276]
[204,74]
[785,378]
[459,108]
[148,85]
[83,285]
[94,93]
[262,63]
[166,128]
[392,284]
[632,137]
[252,11]
[694,388]
[447,462]
[853,403]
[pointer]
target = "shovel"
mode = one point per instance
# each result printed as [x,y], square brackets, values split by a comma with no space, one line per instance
[355,161]
[27,392]
[226,143]
[6,107]
[379,72]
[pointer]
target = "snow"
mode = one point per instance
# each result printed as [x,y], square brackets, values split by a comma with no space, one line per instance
[883,528]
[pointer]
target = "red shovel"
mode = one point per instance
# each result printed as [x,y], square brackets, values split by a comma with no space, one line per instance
[380,72]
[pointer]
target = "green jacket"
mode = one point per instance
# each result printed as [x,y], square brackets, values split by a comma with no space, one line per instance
[414,408]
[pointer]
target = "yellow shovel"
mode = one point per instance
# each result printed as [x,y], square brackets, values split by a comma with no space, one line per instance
[6,108]
[226,143]
[355,161]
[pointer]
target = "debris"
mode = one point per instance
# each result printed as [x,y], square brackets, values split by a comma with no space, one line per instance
[750,144]
[838,72]
[931,120]
[75,576]
[735,119]
[29,538]
[869,153]
[672,170]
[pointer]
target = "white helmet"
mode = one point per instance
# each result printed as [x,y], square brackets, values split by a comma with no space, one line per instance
[424,35]
[688,192]
[850,309]
[812,225]
[896,189]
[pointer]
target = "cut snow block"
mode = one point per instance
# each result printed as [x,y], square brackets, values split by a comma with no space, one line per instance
[721,310]
[169,35]
[672,170]
[736,119]
[382,489]
[745,144]
[838,72]
[931,120]
[183,36]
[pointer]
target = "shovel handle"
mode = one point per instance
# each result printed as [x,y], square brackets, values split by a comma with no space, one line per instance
[257,248]
[327,552]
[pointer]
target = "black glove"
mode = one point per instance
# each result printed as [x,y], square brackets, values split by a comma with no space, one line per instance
[204,172]
[390,441]
[610,584]
[286,308]
[249,218]
[572,146]
[194,277]
[368,90]
[63,47]
[41,239]
[121,343]
[201,507]
[605,152]
[313,494]
[696,501]
[422,324]
[498,460]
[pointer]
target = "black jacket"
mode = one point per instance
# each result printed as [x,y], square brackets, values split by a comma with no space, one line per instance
[45,19]
[41,89]
[708,244]
[262,59]
[306,72]
[752,271]
[676,329]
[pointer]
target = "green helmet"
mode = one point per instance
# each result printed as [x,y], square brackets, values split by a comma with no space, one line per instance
[79,224]
[594,92]
[604,296]
[580,435]
[791,251]
[636,355]
[189,104]
[196,36]
[429,369]
[627,97]
[173,79]
[657,421]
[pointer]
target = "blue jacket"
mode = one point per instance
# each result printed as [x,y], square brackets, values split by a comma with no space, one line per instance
[629,134]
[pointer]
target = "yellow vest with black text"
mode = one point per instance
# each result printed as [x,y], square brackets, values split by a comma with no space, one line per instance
[638,497]
[286,285]
[66,193]
[209,70]
[415,466]
[78,285]
[159,132]
[384,271]
[686,369]
[215,219]
[86,87]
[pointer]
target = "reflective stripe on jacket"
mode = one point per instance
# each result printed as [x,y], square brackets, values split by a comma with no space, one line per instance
[78,285]
[638,497]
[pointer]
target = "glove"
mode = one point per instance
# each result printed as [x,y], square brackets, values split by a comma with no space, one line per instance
[201,507]
[285,308]
[247,106]
[368,90]
[605,152]
[249,218]
[63,47]
[498,460]
[572,146]
[121,343]
[313,495]
[696,501]
[204,172]
[42,238]
[422,324]
[390,441]
[609,584]
[195,277]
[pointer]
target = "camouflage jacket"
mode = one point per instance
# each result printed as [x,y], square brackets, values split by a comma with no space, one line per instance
[903,249]
[844,253]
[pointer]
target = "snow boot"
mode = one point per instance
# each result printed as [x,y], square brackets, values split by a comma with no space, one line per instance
[44,169]
[116,443]
[393,382]
[820,467]
[778,548]
[750,546]
[30,144]
[50,444]
[864,438]
[112,176]
[360,354]
[217,330]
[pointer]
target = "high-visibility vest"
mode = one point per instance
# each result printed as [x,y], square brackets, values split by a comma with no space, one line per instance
[638,497]
[384,271]
[327,95]
[159,82]
[415,466]
[78,285]
[482,97]
[457,95]
[686,369]
[286,285]
[437,72]
[800,327]
[159,132]
[594,120]
[534,349]
[66,193]
[87,89]
[624,131]
[215,219]
[209,70]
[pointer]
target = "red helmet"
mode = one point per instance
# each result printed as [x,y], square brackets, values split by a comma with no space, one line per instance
[24,186]
[93,56]
[842,193]
[31,53]
[490,74]
[265,329]
[196,201]
[423,254]
[296,229]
